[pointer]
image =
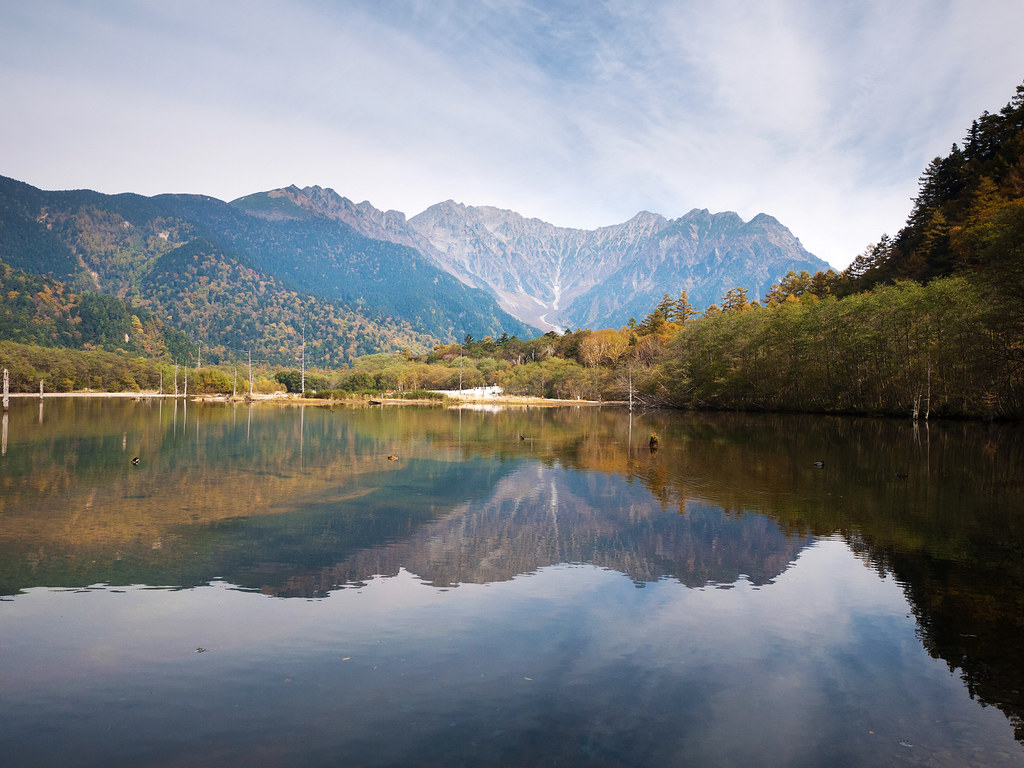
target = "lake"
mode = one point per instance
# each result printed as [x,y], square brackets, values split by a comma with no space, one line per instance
[520,587]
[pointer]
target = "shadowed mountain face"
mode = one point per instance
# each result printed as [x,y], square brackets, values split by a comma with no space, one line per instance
[554,277]
[359,294]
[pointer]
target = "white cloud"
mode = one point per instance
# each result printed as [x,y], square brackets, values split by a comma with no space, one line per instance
[822,115]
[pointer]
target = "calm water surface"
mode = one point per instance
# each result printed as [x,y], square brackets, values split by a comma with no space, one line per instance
[518,588]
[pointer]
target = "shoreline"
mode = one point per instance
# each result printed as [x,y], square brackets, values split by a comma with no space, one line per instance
[290,399]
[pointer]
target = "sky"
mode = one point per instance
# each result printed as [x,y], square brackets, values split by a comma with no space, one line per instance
[821,113]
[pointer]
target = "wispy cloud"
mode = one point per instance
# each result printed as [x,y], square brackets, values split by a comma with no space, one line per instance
[822,114]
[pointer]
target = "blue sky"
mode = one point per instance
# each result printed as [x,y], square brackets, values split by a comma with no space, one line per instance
[822,114]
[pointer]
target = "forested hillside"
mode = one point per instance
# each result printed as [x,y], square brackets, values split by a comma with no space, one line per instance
[25,242]
[355,295]
[42,311]
[969,214]
[227,305]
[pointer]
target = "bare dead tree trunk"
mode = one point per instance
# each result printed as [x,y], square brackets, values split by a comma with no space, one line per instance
[928,401]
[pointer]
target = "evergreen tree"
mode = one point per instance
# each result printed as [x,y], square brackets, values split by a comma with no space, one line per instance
[735,300]
[683,310]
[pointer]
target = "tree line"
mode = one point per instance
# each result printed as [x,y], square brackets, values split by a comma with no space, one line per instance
[934,349]
[75,370]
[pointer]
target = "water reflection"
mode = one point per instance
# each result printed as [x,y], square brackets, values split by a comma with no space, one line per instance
[473,498]
[537,516]
[302,503]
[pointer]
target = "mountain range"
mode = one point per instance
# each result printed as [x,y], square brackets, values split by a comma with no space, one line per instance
[555,277]
[270,269]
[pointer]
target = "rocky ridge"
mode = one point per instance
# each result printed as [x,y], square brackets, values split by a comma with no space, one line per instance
[555,277]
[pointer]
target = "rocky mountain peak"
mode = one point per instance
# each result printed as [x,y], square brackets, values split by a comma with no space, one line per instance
[553,277]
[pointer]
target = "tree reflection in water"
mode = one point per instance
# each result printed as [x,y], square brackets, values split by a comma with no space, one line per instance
[299,504]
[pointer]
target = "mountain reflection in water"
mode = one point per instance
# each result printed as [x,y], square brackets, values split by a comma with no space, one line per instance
[301,502]
[539,515]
